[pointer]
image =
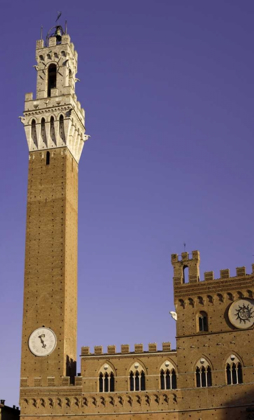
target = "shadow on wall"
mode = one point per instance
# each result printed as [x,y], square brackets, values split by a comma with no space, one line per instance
[241,407]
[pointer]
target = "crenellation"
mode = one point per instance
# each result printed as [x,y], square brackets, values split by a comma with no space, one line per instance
[52,41]
[209,275]
[240,271]
[111,349]
[39,44]
[98,350]
[29,96]
[51,381]
[225,274]
[138,348]
[125,349]
[85,351]
[152,347]
[78,380]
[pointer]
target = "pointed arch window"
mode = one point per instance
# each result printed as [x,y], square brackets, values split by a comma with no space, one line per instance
[202,321]
[61,127]
[167,376]
[43,131]
[52,130]
[137,378]
[203,374]
[106,379]
[51,78]
[33,132]
[234,373]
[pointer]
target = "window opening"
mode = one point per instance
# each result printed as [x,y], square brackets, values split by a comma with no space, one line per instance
[47,158]
[131,381]
[101,382]
[143,384]
[203,321]
[203,374]
[43,131]
[112,382]
[174,379]
[137,381]
[185,274]
[162,379]
[51,78]
[234,373]
[106,382]
[61,127]
[52,129]
[168,376]
[33,132]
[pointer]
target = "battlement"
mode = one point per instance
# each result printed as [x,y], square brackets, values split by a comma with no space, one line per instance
[184,287]
[185,261]
[125,349]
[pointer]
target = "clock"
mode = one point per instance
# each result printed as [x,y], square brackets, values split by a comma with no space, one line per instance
[241,313]
[42,341]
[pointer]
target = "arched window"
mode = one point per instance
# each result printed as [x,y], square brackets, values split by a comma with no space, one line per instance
[61,127]
[51,78]
[185,274]
[202,321]
[33,132]
[106,379]
[203,374]
[167,376]
[43,131]
[70,78]
[234,374]
[52,130]
[137,378]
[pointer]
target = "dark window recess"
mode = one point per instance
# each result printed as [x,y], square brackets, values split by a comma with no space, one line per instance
[203,321]
[203,377]
[162,380]
[47,158]
[112,382]
[51,78]
[137,381]
[234,373]
[106,382]
[143,381]
[101,383]
[131,381]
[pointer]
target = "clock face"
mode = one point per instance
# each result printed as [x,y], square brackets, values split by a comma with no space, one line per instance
[241,313]
[42,341]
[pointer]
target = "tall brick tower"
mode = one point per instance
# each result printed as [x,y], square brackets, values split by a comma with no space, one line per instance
[54,126]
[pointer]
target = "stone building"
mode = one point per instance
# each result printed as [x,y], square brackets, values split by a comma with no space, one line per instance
[209,376]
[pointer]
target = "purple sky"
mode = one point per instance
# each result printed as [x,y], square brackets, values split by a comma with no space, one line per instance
[168,91]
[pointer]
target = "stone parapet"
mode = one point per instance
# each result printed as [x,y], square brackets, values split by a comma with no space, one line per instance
[125,349]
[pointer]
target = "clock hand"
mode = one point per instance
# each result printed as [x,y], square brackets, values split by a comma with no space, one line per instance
[42,341]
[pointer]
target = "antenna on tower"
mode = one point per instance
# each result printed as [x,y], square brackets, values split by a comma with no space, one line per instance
[58,16]
[41,31]
[65,29]
[184,246]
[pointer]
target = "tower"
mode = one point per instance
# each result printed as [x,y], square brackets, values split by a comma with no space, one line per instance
[54,124]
